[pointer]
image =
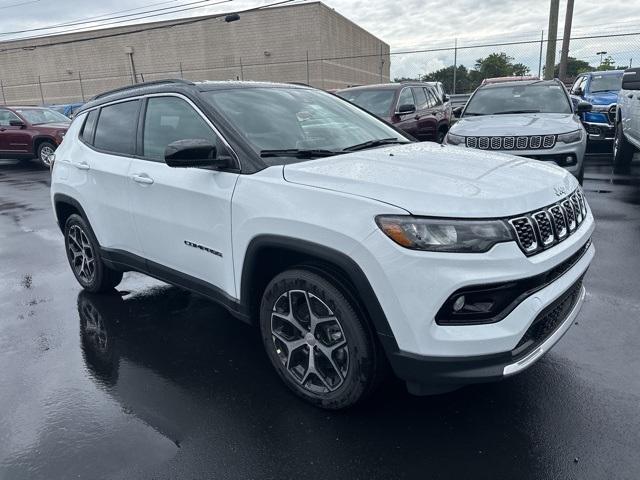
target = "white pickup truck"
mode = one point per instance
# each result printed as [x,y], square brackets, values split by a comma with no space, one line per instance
[627,140]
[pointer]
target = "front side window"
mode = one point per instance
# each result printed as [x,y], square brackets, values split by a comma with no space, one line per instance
[169,119]
[6,117]
[39,116]
[421,98]
[406,98]
[281,118]
[578,84]
[532,98]
[116,129]
[378,102]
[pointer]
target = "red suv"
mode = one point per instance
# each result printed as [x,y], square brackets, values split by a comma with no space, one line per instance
[31,132]
[416,108]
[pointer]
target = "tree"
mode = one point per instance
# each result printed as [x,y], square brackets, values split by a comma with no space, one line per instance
[499,65]
[574,68]
[609,64]
[464,83]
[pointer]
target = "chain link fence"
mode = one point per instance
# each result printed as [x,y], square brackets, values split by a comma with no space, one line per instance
[460,65]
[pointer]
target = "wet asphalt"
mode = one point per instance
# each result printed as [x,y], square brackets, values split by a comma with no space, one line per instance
[155,382]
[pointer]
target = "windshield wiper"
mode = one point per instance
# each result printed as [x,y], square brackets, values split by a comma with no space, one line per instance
[515,111]
[605,90]
[373,143]
[297,153]
[473,114]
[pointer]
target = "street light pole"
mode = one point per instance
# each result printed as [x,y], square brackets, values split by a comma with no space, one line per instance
[601,55]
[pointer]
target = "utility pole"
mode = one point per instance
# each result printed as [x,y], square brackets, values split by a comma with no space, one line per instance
[566,38]
[552,37]
[455,65]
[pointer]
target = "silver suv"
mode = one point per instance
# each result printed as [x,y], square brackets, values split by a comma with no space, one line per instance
[529,118]
[627,140]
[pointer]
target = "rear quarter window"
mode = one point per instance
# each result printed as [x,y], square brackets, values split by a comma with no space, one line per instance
[89,127]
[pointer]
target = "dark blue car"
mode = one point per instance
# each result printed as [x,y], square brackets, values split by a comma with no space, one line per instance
[600,89]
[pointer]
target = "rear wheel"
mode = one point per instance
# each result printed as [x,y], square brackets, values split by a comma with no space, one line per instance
[318,343]
[622,152]
[84,257]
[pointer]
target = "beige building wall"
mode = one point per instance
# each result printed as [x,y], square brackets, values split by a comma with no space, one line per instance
[272,44]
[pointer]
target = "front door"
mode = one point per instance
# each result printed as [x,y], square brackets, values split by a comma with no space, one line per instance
[13,139]
[182,215]
[407,122]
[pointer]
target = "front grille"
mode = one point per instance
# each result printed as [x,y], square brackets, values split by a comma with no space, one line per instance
[534,142]
[546,227]
[611,113]
[548,320]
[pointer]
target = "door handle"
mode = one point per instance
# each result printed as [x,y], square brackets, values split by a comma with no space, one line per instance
[630,95]
[417,117]
[82,166]
[142,178]
[2,129]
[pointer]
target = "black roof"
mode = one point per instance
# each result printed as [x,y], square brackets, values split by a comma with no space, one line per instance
[176,86]
[516,83]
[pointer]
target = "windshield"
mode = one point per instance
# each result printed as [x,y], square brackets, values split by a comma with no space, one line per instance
[295,119]
[36,116]
[532,98]
[605,83]
[377,102]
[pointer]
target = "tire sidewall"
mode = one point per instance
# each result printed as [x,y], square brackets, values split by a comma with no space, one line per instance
[361,355]
[95,283]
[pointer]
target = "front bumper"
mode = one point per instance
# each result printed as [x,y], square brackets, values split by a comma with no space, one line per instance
[411,287]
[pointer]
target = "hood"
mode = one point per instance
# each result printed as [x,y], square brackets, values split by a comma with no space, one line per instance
[602,98]
[517,124]
[437,180]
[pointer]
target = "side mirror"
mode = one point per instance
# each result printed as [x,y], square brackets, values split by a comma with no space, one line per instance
[405,109]
[17,123]
[583,107]
[446,98]
[631,79]
[193,153]
[457,111]
[578,92]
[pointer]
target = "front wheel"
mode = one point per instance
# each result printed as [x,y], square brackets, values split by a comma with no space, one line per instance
[318,343]
[622,152]
[84,257]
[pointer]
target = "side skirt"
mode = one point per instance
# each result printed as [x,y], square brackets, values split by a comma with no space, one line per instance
[125,261]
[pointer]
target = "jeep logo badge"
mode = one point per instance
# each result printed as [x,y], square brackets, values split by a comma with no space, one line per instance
[560,190]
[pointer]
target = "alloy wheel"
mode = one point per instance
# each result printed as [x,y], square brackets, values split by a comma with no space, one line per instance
[309,341]
[82,257]
[46,154]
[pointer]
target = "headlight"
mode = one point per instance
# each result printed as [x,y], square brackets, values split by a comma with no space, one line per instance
[570,137]
[438,235]
[452,139]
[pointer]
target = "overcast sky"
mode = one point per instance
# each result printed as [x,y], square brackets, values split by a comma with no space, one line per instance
[404,24]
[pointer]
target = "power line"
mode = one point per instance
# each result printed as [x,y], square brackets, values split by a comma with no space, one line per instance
[155,26]
[2,7]
[74,22]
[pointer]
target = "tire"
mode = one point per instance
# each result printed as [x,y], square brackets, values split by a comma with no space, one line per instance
[45,150]
[83,253]
[333,364]
[622,152]
[580,175]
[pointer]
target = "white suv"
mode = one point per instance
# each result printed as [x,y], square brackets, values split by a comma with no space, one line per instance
[295,210]
[627,139]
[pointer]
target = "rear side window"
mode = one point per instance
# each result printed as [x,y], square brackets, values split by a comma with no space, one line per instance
[421,97]
[116,129]
[89,127]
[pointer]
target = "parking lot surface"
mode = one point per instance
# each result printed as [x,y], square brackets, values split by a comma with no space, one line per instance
[155,382]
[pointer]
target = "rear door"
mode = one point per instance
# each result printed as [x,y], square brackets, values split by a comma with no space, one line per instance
[182,215]
[100,166]
[13,139]
[407,122]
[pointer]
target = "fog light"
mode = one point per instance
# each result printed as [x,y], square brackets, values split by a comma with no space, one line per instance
[459,303]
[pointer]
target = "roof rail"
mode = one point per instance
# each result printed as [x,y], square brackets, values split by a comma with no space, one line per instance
[143,84]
